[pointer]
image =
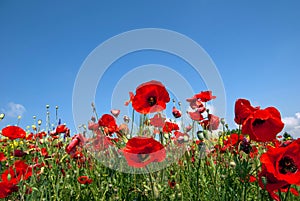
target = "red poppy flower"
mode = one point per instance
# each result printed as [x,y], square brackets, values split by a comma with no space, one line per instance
[263,125]
[93,126]
[150,97]
[44,152]
[141,151]
[84,180]
[176,113]
[195,103]
[29,137]
[242,110]
[283,163]
[2,157]
[18,171]
[212,123]
[77,140]
[169,127]
[205,96]
[196,115]
[252,179]
[232,142]
[7,188]
[157,120]
[101,143]
[108,122]
[61,129]
[13,132]
[180,138]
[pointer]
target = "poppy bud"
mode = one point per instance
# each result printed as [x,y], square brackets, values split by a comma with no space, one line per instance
[126,119]
[176,113]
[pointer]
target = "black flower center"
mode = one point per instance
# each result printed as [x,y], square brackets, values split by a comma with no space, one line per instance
[258,122]
[287,165]
[143,157]
[151,100]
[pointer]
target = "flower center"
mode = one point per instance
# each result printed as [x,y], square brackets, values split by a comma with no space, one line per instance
[287,165]
[258,122]
[151,100]
[143,157]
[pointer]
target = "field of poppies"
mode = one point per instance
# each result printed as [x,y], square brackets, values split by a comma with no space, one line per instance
[149,156]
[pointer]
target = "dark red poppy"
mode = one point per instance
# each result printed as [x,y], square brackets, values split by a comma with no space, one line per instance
[18,171]
[242,110]
[205,96]
[176,113]
[84,180]
[19,153]
[212,123]
[169,127]
[108,123]
[141,151]
[7,188]
[150,97]
[158,120]
[172,183]
[13,132]
[263,125]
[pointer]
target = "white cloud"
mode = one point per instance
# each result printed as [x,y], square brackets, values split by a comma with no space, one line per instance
[292,125]
[14,110]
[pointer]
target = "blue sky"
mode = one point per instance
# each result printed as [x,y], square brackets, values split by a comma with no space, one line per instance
[254,44]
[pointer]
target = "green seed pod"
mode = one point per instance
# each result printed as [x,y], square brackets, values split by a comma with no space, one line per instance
[8,177]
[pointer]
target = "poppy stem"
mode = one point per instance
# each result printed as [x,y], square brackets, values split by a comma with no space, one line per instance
[151,182]
[132,120]
[287,193]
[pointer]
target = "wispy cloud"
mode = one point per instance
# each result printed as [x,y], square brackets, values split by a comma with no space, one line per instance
[292,125]
[13,110]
